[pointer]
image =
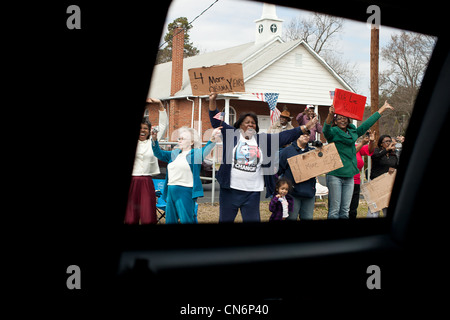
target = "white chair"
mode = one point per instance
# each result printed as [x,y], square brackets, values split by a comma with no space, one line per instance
[320,190]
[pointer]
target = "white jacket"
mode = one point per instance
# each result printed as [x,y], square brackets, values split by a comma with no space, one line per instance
[145,163]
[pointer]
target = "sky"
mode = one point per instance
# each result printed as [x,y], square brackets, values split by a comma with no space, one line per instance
[229,23]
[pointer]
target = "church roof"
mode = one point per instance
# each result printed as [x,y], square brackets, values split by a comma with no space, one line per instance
[254,58]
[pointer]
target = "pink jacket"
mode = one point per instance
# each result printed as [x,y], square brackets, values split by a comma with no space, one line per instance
[364,151]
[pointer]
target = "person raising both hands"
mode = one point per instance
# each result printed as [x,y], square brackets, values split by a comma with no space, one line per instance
[248,161]
[338,129]
[182,185]
[141,204]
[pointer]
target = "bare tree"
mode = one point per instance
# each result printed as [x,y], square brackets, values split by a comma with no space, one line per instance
[347,69]
[317,31]
[407,55]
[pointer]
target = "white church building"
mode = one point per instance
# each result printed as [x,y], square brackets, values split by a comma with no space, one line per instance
[270,65]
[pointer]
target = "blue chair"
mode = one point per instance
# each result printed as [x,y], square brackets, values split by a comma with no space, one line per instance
[161,204]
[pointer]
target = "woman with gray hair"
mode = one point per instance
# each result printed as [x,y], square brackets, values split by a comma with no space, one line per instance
[183,186]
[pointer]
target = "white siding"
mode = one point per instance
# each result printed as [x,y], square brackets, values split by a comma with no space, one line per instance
[298,77]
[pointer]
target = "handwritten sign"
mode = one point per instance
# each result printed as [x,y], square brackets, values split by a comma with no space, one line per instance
[377,192]
[349,104]
[315,162]
[219,78]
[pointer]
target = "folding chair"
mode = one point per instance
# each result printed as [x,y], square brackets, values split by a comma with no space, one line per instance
[320,190]
[160,204]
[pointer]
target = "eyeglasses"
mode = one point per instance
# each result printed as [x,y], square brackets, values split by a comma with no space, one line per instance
[387,141]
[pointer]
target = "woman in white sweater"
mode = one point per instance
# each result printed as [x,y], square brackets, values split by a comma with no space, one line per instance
[182,186]
[141,206]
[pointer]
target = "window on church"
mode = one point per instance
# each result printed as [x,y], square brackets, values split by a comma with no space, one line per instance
[232,116]
[273,28]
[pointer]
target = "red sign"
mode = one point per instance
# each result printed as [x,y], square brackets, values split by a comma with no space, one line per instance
[349,104]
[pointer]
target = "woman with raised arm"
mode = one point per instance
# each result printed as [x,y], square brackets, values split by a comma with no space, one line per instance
[141,206]
[338,129]
[183,186]
[364,147]
[247,162]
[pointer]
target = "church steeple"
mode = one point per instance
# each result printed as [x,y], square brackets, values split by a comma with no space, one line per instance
[269,25]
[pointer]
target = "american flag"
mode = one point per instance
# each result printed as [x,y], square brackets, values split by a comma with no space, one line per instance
[331,95]
[271,99]
[219,116]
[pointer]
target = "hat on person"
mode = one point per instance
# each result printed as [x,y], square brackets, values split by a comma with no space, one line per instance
[286,114]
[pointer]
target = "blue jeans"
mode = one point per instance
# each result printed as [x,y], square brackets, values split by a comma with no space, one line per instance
[303,207]
[340,192]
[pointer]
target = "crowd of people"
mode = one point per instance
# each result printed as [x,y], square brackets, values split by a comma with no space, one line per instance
[253,161]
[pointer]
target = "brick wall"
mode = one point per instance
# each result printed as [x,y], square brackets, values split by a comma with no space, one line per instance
[180,113]
[177,61]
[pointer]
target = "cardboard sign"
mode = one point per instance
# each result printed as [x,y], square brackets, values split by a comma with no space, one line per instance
[349,104]
[315,162]
[220,79]
[377,192]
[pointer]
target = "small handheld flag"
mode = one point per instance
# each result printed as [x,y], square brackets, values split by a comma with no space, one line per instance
[271,99]
[219,116]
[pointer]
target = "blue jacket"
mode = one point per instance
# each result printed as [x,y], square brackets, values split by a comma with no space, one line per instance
[264,141]
[194,158]
[305,189]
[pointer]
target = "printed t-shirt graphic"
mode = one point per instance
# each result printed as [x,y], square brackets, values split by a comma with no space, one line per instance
[246,157]
[246,167]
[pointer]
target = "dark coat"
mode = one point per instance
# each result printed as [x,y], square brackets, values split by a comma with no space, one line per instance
[382,160]
[305,189]
[264,141]
[276,207]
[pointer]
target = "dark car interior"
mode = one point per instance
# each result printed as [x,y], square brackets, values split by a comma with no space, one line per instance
[320,266]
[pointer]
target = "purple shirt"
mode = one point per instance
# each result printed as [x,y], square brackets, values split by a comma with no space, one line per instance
[303,119]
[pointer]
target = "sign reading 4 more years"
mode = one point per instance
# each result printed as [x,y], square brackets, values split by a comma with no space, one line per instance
[219,78]
[315,162]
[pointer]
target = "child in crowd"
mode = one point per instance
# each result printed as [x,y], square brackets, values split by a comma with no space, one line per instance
[281,203]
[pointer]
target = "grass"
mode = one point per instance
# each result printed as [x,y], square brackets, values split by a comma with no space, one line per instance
[209,213]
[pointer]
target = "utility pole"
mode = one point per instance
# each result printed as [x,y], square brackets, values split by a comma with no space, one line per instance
[374,54]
